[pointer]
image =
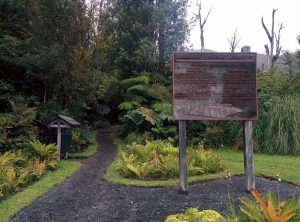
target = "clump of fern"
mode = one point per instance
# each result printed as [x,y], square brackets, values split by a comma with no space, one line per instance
[159,160]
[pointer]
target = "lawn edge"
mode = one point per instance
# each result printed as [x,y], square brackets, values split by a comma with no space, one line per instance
[12,205]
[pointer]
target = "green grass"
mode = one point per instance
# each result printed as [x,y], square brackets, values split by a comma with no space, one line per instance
[264,165]
[10,206]
[92,149]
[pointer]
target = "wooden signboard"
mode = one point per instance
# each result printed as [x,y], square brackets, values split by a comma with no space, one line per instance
[214,86]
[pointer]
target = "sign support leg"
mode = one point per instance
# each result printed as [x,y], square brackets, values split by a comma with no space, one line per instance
[58,140]
[248,155]
[182,157]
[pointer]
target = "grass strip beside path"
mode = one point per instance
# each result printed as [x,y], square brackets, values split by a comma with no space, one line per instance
[90,150]
[264,165]
[10,206]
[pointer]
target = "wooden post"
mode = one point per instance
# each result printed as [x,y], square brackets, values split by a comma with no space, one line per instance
[58,140]
[182,157]
[248,155]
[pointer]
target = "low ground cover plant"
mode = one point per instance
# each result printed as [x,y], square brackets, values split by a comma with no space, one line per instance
[159,160]
[195,215]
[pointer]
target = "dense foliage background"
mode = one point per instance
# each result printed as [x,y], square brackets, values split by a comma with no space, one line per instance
[108,63]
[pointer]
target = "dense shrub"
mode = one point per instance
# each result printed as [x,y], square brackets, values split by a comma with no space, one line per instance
[78,143]
[20,168]
[17,126]
[159,160]
[277,129]
[282,131]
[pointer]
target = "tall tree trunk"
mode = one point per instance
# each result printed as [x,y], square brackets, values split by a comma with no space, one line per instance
[273,38]
[45,94]
[161,42]
[202,23]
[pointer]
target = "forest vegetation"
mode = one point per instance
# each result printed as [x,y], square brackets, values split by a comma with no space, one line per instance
[108,65]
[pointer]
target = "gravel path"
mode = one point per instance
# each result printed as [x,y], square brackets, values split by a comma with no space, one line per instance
[86,196]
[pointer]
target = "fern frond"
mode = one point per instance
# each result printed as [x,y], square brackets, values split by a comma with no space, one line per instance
[159,91]
[128,105]
[251,210]
[135,80]
[136,88]
[149,115]
[7,159]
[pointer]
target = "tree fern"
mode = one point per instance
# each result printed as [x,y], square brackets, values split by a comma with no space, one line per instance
[128,105]
[159,91]
[143,79]
[149,115]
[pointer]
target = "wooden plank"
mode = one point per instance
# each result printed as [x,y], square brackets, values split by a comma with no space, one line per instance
[55,126]
[248,155]
[182,157]
[58,140]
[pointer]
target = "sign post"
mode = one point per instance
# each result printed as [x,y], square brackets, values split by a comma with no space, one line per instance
[182,157]
[58,139]
[248,155]
[215,86]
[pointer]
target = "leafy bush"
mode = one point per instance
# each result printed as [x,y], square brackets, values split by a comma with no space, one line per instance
[16,126]
[214,135]
[78,144]
[18,170]
[194,215]
[159,160]
[8,173]
[277,130]
[43,151]
[270,208]
[282,134]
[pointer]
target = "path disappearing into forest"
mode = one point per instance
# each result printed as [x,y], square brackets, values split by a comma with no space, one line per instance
[86,196]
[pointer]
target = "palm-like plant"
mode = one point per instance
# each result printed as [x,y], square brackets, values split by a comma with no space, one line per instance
[270,208]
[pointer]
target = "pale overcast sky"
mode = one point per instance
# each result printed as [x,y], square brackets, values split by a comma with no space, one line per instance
[227,15]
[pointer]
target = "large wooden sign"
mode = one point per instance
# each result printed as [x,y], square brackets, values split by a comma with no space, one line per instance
[214,86]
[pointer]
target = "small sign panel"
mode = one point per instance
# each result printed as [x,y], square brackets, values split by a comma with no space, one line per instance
[214,86]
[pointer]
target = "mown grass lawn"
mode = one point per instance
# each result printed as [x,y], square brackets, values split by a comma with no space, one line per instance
[264,165]
[10,206]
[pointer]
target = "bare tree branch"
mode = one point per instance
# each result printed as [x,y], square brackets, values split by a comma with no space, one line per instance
[201,23]
[206,18]
[273,38]
[234,41]
[266,30]
[277,38]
